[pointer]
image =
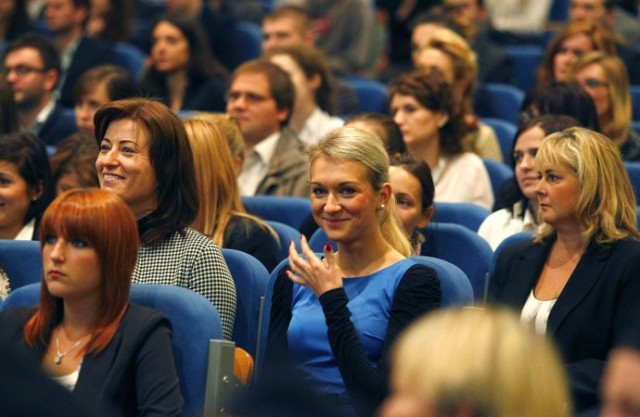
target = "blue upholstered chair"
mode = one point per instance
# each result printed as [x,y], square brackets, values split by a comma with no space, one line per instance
[194,321]
[499,173]
[22,262]
[526,59]
[468,215]
[635,102]
[372,94]
[454,284]
[288,210]
[247,39]
[506,132]
[633,170]
[461,247]
[130,57]
[286,234]
[251,278]
[501,101]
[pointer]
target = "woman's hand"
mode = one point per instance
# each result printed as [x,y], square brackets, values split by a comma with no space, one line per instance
[321,275]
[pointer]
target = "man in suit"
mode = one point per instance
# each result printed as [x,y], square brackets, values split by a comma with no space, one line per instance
[78,53]
[32,69]
[260,99]
[628,29]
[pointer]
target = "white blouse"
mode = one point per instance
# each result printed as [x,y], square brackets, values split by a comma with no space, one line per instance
[535,313]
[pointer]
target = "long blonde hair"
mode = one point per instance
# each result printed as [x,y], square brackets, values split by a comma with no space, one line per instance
[606,207]
[485,360]
[352,144]
[215,180]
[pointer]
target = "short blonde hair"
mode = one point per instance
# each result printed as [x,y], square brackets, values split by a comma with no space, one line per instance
[606,207]
[482,359]
[619,92]
[465,66]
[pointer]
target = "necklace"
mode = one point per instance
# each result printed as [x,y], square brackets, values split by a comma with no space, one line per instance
[59,355]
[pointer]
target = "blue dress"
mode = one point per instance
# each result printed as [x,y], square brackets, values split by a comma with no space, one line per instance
[340,340]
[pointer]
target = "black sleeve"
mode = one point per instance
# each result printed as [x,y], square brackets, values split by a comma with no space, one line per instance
[277,346]
[418,293]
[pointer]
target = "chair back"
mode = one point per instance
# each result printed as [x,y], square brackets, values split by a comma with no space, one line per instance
[633,170]
[318,239]
[454,284]
[525,59]
[505,132]
[635,102]
[372,94]
[499,173]
[461,247]
[286,234]
[247,38]
[251,278]
[288,210]
[130,57]
[21,261]
[497,100]
[194,321]
[468,215]
[515,238]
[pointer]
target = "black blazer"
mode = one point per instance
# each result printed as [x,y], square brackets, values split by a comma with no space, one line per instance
[592,312]
[58,126]
[135,374]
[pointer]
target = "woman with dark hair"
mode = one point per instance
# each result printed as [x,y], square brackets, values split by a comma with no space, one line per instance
[14,20]
[183,73]
[84,333]
[73,165]
[433,128]
[26,186]
[561,98]
[517,205]
[98,86]
[311,116]
[146,159]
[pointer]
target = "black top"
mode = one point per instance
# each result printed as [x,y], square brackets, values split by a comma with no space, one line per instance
[418,292]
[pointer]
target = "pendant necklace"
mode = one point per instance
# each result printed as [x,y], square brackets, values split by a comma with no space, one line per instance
[59,355]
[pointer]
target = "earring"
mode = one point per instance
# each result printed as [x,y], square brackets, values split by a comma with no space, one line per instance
[34,198]
[381,206]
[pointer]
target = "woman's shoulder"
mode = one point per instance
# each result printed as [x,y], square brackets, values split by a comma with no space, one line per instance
[137,318]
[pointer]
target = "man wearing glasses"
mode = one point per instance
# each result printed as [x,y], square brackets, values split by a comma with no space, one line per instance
[260,99]
[32,68]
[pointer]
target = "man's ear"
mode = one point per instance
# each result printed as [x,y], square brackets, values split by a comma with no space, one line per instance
[51,79]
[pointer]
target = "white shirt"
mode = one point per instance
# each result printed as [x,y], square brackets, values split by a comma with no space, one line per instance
[256,164]
[502,224]
[318,124]
[26,233]
[519,16]
[42,117]
[68,381]
[535,313]
[463,179]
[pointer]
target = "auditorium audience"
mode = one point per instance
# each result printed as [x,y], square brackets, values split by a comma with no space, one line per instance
[221,214]
[97,87]
[146,159]
[183,74]
[26,187]
[517,208]
[433,128]
[261,98]
[577,280]
[604,78]
[73,165]
[336,318]
[472,362]
[84,333]
[314,100]
[32,69]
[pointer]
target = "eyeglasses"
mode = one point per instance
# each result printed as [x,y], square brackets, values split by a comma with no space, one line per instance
[251,98]
[22,70]
[593,83]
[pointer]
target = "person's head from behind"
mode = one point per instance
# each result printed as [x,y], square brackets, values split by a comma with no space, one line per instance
[260,98]
[26,186]
[218,188]
[620,388]
[584,186]
[423,106]
[67,17]
[561,98]
[285,26]
[604,77]
[451,54]
[472,362]
[425,23]
[73,165]
[146,159]
[231,131]
[381,126]
[591,11]
[98,86]
[569,44]
[32,68]
[349,176]
[91,236]
[413,189]
[310,75]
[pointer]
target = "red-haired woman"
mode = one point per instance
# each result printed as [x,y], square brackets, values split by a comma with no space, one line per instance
[84,333]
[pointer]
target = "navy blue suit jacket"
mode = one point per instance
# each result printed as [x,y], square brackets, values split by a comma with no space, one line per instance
[593,311]
[58,126]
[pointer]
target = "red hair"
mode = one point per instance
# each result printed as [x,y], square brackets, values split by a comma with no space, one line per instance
[104,221]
